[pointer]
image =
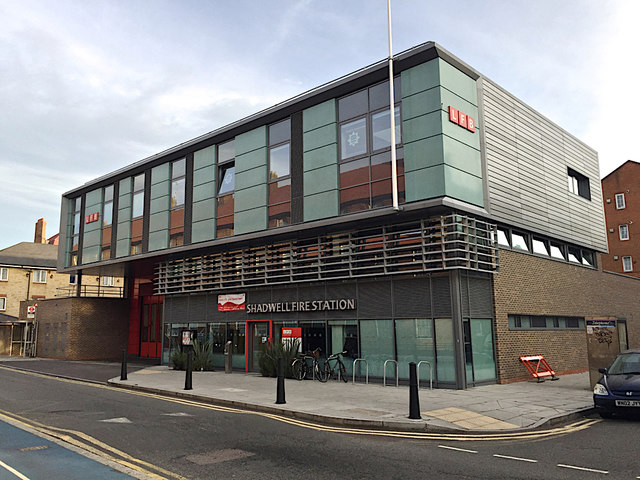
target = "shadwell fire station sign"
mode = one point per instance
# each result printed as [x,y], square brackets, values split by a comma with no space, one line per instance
[235,302]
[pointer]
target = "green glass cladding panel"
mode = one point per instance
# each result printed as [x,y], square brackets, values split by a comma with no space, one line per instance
[319,116]
[204,158]
[376,341]
[204,195]
[249,141]
[320,161]
[484,364]
[160,173]
[250,197]
[441,157]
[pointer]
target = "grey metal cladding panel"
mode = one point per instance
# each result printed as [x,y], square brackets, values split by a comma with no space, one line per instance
[543,151]
[441,294]
[374,299]
[197,308]
[412,298]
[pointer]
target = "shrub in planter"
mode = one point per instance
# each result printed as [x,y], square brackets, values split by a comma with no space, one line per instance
[178,360]
[268,359]
[203,355]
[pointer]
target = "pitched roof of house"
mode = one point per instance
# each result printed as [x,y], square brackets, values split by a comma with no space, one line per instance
[29,254]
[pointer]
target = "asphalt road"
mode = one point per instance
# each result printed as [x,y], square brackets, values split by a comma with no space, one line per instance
[179,439]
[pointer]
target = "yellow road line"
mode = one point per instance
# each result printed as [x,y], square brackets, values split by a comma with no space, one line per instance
[527,435]
[67,437]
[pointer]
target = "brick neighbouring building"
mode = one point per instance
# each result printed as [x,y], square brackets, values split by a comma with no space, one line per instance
[494,251]
[621,193]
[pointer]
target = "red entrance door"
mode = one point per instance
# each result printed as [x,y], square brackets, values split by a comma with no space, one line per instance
[150,327]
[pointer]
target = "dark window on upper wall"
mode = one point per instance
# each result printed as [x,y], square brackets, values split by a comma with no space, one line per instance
[176,220]
[578,184]
[365,148]
[280,174]
[137,210]
[226,188]
[107,220]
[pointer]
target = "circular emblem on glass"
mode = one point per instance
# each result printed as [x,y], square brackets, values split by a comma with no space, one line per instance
[353,138]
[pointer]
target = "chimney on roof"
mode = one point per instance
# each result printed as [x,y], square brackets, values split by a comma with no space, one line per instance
[41,231]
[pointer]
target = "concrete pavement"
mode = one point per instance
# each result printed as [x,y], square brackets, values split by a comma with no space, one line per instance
[511,407]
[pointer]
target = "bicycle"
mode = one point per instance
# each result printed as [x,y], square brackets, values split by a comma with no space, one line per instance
[338,370]
[301,368]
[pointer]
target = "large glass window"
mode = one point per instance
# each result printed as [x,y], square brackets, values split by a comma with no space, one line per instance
[365,149]
[445,355]
[484,364]
[226,187]
[578,184]
[343,337]
[376,339]
[414,342]
[107,220]
[75,230]
[279,174]
[176,227]
[137,211]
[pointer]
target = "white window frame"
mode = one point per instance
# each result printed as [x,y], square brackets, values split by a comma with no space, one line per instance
[620,202]
[4,274]
[73,276]
[627,264]
[38,275]
[623,228]
[3,304]
[107,281]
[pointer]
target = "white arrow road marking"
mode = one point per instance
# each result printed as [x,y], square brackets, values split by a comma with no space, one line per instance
[457,449]
[117,420]
[584,469]
[515,458]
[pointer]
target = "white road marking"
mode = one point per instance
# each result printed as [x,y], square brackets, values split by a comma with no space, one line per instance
[178,414]
[457,449]
[117,420]
[14,471]
[515,458]
[584,469]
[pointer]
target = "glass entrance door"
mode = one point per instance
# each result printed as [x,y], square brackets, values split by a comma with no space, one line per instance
[258,338]
[150,325]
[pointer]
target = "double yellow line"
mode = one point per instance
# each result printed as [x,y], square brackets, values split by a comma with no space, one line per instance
[93,445]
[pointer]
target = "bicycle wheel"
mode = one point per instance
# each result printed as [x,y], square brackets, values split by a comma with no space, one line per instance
[299,369]
[343,372]
[321,373]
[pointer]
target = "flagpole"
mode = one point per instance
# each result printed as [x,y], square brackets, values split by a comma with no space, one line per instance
[394,165]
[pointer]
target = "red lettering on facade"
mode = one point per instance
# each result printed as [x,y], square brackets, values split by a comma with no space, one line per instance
[471,124]
[453,114]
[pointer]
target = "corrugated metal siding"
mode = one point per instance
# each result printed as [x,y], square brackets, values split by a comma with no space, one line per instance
[527,158]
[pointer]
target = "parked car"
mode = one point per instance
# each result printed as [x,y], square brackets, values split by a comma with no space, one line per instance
[618,390]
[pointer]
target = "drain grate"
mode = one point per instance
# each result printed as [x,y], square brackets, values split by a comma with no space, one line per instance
[218,456]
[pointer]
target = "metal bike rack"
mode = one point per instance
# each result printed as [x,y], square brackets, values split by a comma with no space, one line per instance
[430,373]
[384,372]
[354,369]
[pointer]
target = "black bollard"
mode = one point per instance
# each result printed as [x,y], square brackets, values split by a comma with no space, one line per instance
[414,400]
[123,369]
[280,388]
[188,378]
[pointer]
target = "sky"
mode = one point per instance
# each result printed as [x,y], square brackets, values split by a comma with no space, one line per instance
[88,87]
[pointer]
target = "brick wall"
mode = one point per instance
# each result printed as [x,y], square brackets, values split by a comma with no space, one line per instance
[531,285]
[625,180]
[82,328]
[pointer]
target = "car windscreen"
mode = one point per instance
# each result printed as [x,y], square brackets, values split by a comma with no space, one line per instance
[625,363]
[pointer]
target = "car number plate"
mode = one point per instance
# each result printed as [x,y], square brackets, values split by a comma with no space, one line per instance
[627,403]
